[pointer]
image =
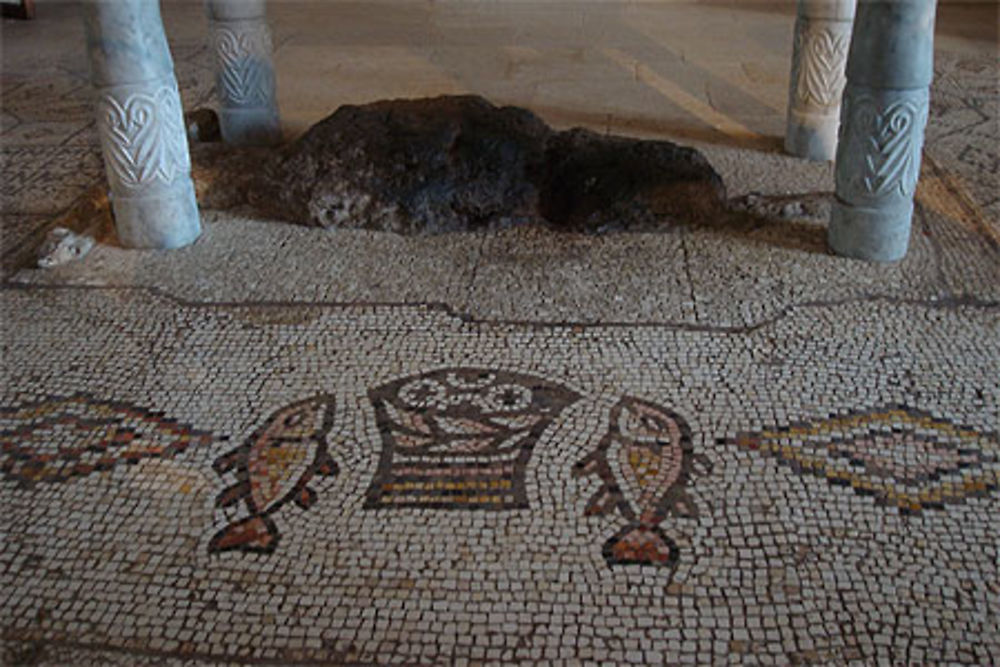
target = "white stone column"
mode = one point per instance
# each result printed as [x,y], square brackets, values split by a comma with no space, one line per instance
[883,117]
[141,124]
[245,81]
[822,38]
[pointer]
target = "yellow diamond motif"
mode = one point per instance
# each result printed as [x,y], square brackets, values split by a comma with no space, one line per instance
[903,457]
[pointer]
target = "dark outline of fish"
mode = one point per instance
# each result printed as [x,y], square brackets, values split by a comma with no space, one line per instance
[236,534]
[674,500]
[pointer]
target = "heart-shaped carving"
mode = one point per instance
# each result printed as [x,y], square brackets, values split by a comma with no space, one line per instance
[143,137]
[885,141]
[889,157]
[822,57]
[245,78]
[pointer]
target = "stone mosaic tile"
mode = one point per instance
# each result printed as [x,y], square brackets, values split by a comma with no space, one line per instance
[901,456]
[50,97]
[48,179]
[644,462]
[688,277]
[48,133]
[963,134]
[57,439]
[683,544]
[569,277]
[460,438]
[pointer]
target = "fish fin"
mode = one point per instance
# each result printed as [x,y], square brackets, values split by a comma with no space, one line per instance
[228,461]
[679,503]
[255,533]
[640,545]
[305,498]
[587,465]
[233,494]
[324,464]
[602,502]
[702,464]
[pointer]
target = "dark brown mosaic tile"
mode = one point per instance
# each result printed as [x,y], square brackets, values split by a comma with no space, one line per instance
[460,438]
[56,439]
[904,457]
[644,461]
[274,466]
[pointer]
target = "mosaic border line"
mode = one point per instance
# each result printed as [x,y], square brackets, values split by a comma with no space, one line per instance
[943,303]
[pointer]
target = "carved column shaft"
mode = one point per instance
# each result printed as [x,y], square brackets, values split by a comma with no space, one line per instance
[245,81]
[883,117]
[822,37]
[141,124]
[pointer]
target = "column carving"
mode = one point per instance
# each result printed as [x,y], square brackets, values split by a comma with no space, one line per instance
[245,80]
[140,123]
[884,114]
[822,38]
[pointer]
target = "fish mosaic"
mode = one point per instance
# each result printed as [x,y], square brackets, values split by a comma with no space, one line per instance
[273,467]
[460,438]
[644,463]
[61,438]
[903,457]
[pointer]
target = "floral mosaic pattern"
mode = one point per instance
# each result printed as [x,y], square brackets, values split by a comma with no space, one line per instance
[460,438]
[644,461]
[60,438]
[274,466]
[903,457]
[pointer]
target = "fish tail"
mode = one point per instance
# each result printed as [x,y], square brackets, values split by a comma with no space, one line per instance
[637,544]
[233,494]
[324,464]
[229,460]
[255,533]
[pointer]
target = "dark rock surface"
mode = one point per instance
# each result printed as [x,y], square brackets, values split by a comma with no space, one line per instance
[460,163]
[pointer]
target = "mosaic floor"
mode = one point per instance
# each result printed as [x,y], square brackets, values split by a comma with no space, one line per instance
[382,484]
[715,446]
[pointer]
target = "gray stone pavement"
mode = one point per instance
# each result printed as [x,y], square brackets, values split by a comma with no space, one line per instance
[716,444]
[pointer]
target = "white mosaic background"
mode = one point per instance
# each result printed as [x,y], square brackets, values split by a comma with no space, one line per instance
[779,566]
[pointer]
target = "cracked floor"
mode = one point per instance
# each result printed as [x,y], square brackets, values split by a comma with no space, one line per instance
[718,444]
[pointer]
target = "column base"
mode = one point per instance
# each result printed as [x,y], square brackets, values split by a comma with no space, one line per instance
[878,234]
[250,127]
[812,136]
[163,220]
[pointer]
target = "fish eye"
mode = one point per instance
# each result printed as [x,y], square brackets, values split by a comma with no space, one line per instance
[293,420]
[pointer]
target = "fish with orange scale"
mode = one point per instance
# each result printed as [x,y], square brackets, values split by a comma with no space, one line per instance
[644,462]
[274,466]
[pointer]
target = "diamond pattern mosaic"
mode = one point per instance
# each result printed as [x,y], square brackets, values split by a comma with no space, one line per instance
[57,439]
[903,457]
